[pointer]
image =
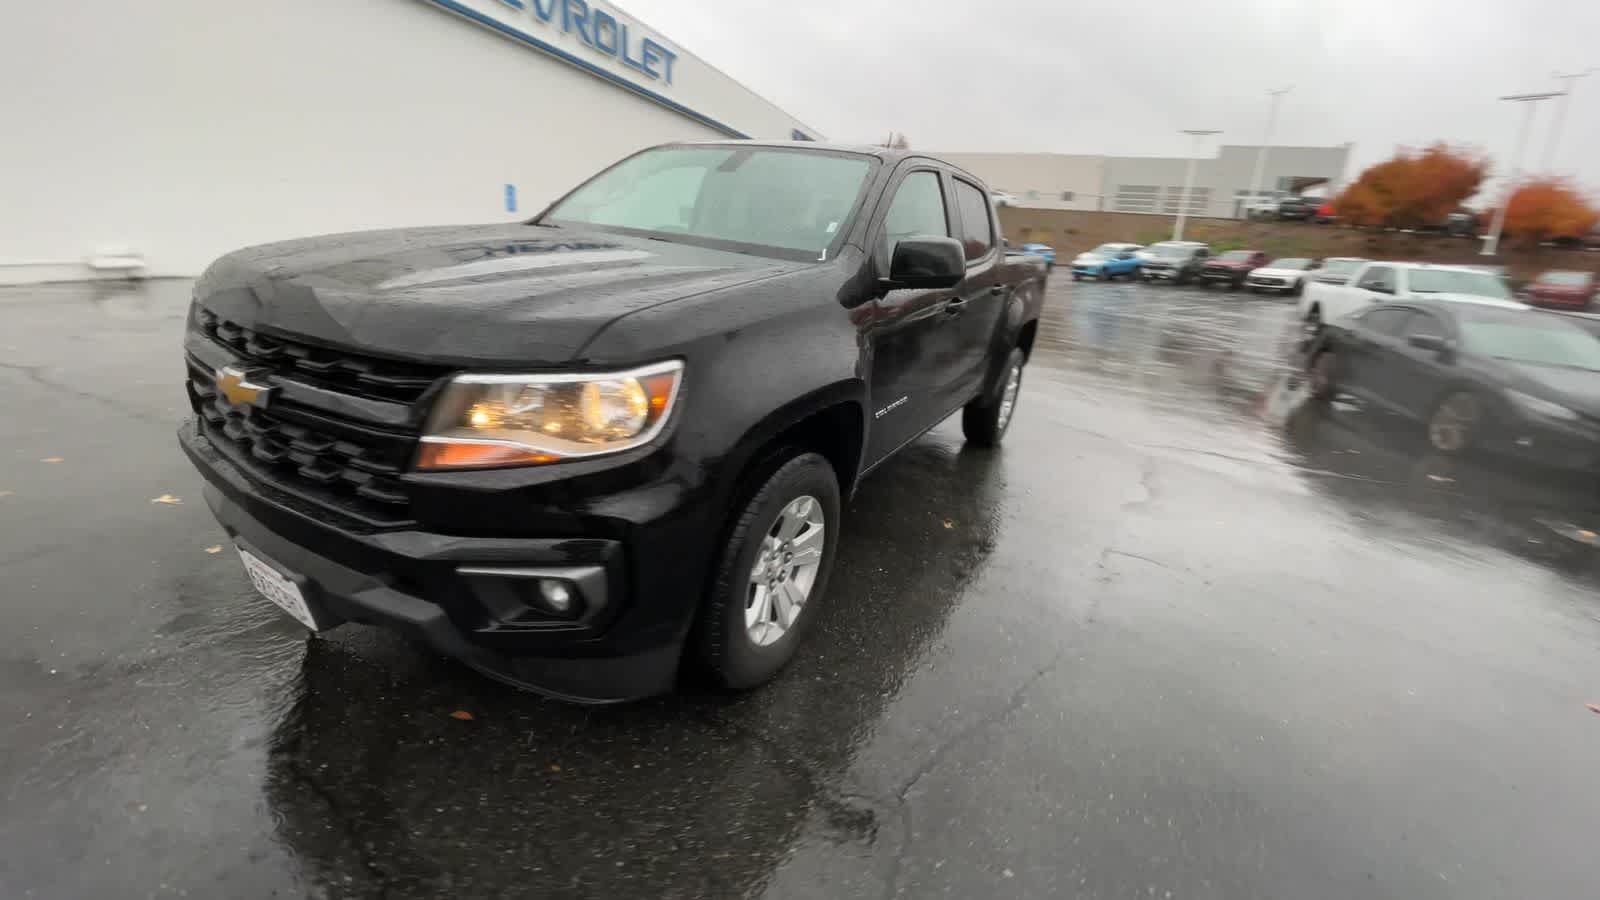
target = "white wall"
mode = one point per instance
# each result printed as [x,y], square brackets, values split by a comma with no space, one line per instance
[183,129]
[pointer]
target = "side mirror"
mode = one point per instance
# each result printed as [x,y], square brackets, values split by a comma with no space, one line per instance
[924,261]
[1433,342]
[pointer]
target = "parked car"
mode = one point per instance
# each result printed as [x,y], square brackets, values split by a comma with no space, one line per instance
[1043,251]
[1176,261]
[1298,207]
[1375,282]
[576,451]
[1107,261]
[1262,208]
[1325,214]
[1285,276]
[1337,269]
[1562,289]
[1231,267]
[1461,224]
[1479,374]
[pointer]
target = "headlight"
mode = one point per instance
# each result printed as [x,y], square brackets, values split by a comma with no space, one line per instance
[1540,407]
[519,420]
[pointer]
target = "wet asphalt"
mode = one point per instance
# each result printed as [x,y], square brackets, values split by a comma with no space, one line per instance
[1185,635]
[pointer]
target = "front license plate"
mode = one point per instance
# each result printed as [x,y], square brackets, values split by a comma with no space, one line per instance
[274,586]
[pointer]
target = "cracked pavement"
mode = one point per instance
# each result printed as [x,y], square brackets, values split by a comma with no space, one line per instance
[1184,636]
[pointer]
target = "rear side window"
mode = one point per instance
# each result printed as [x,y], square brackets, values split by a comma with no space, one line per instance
[917,208]
[977,231]
[1386,321]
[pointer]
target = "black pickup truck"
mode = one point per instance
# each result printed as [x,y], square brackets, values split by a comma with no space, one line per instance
[580,451]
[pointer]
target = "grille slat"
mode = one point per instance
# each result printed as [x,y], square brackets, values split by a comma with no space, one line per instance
[343,463]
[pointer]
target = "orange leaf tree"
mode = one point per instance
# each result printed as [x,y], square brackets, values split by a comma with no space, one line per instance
[1413,188]
[1547,209]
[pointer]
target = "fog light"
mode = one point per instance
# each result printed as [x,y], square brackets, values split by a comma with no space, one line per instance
[556,594]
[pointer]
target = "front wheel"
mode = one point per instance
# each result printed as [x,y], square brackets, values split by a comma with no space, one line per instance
[984,420]
[1077,276]
[773,572]
[1323,386]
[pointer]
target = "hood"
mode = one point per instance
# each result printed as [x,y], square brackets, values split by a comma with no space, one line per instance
[1578,389]
[1229,264]
[1558,290]
[1471,298]
[1279,273]
[467,294]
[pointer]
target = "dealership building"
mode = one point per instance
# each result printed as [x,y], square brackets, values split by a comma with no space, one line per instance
[150,138]
[1150,184]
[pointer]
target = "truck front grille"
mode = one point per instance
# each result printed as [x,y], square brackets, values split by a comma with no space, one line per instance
[337,430]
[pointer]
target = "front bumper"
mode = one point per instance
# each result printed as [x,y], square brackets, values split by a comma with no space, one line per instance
[1220,276]
[624,643]
[1275,284]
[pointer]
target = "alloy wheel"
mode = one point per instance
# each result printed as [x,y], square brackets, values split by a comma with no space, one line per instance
[785,570]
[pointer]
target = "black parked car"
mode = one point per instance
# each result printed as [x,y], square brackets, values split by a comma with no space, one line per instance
[1298,207]
[1488,375]
[575,451]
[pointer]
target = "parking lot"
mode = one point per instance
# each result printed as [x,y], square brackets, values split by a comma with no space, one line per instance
[1186,635]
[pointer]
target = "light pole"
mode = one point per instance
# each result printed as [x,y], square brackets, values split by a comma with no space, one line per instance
[1528,100]
[1198,134]
[1266,141]
[1561,114]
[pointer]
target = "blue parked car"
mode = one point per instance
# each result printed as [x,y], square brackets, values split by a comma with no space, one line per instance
[1043,251]
[1107,261]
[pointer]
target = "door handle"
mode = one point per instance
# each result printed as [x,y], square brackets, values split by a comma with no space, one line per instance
[956,306]
[997,290]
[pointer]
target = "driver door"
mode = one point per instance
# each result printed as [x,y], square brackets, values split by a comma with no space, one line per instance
[904,332]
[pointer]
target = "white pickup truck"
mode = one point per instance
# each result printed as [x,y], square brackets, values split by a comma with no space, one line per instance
[1376,282]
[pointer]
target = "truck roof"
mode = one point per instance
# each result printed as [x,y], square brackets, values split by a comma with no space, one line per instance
[887,154]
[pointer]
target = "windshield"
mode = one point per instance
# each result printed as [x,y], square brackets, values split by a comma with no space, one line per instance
[795,202]
[1341,266]
[1236,256]
[1170,251]
[1565,279]
[1108,250]
[1293,262]
[1456,281]
[1531,338]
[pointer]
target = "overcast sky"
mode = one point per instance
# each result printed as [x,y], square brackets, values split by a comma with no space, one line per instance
[1121,78]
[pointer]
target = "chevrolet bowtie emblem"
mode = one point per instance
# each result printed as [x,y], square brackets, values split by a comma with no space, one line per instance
[238,389]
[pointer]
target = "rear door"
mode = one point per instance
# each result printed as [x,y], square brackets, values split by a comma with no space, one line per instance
[1414,375]
[974,315]
[910,359]
[1367,365]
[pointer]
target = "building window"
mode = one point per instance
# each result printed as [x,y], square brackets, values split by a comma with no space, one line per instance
[1199,201]
[1135,198]
[1066,196]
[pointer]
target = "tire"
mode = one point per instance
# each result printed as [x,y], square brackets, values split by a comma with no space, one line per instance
[741,654]
[1320,374]
[1077,276]
[1453,424]
[984,420]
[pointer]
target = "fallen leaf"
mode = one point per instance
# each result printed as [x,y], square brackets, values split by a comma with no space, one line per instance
[7,493]
[1593,707]
[167,499]
[53,459]
[463,715]
[555,767]
[949,524]
[1433,477]
[1587,535]
[214,548]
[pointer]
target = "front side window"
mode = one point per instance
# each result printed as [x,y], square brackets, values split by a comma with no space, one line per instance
[917,208]
[1341,266]
[1424,323]
[1236,256]
[1528,338]
[1378,278]
[977,233]
[1565,279]
[794,203]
